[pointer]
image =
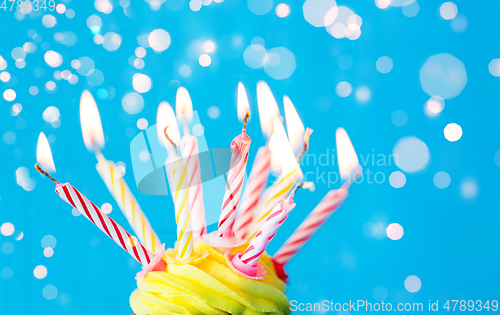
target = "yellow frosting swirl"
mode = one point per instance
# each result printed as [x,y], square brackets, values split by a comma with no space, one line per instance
[208,287]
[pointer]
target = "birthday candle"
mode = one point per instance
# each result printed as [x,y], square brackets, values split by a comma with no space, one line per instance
[127,203]
[267,231]
[349,170]
[93,138]
[290,174]
[180,190]
[239,157]
[328,205]
[256,184]
[258,176]
[189,151]
[90,211]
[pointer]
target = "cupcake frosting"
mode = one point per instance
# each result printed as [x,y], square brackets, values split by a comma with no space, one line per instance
[209,286]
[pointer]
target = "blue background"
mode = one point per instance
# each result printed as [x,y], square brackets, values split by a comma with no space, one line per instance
[450,242]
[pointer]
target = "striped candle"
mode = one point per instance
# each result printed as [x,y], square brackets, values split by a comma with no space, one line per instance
[127,203]
[89,210]
[189,150]
[256,184]
[182,211]
[239,148]
[328,205]
[279,190]
[268,230]
[180,192]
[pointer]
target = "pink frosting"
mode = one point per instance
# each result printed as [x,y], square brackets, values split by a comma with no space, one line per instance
[256,271]
[221,243]
[156,264]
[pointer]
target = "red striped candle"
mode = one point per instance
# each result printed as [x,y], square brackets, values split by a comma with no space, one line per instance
[256,184]
[89,210]
[268,230]
[328,205]
[239,148]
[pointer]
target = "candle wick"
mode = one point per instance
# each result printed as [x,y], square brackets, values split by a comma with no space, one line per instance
[306,144]
[38,168]
[292,193]
[245,121]
[171,142]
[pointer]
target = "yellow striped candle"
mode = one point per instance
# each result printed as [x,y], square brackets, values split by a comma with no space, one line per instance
[180,192]
[94,140]
[189,150]
[290,170]
[118,188]
[182,211]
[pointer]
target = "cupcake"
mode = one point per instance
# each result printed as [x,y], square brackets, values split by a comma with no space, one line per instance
[209,286]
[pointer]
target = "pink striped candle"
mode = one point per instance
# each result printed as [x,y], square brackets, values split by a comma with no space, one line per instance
[239,148]
[328,205]
[189,150]
[256,184]
[268,230]
[89,210]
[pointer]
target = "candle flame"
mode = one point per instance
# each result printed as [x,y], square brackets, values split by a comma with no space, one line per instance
[44,154]
[90,122]
[183,104]
[243,105]
[294,126]
[281,152]
[268,108]
[347,158]
[166,117]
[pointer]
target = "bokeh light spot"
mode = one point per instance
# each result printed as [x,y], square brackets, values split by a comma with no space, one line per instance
[159,40]
[397,179]
[343,89]
[384,64]
[106,208]
[448,10]
[7,229]
[9,95]
[434,105]
[49,21]
[453,132]
[40,272]
[442,180]
[213,112]
[49,241]
[142,123]
[282,10]
[254,56]
[133,103]
[280,63]
[494,67]
[468,189]
[411,154]
[412,284]
[363,94]
[320,13]
[443,75]
[260,7]
[205,60]
[141,83]
[49,292]
[394,231]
